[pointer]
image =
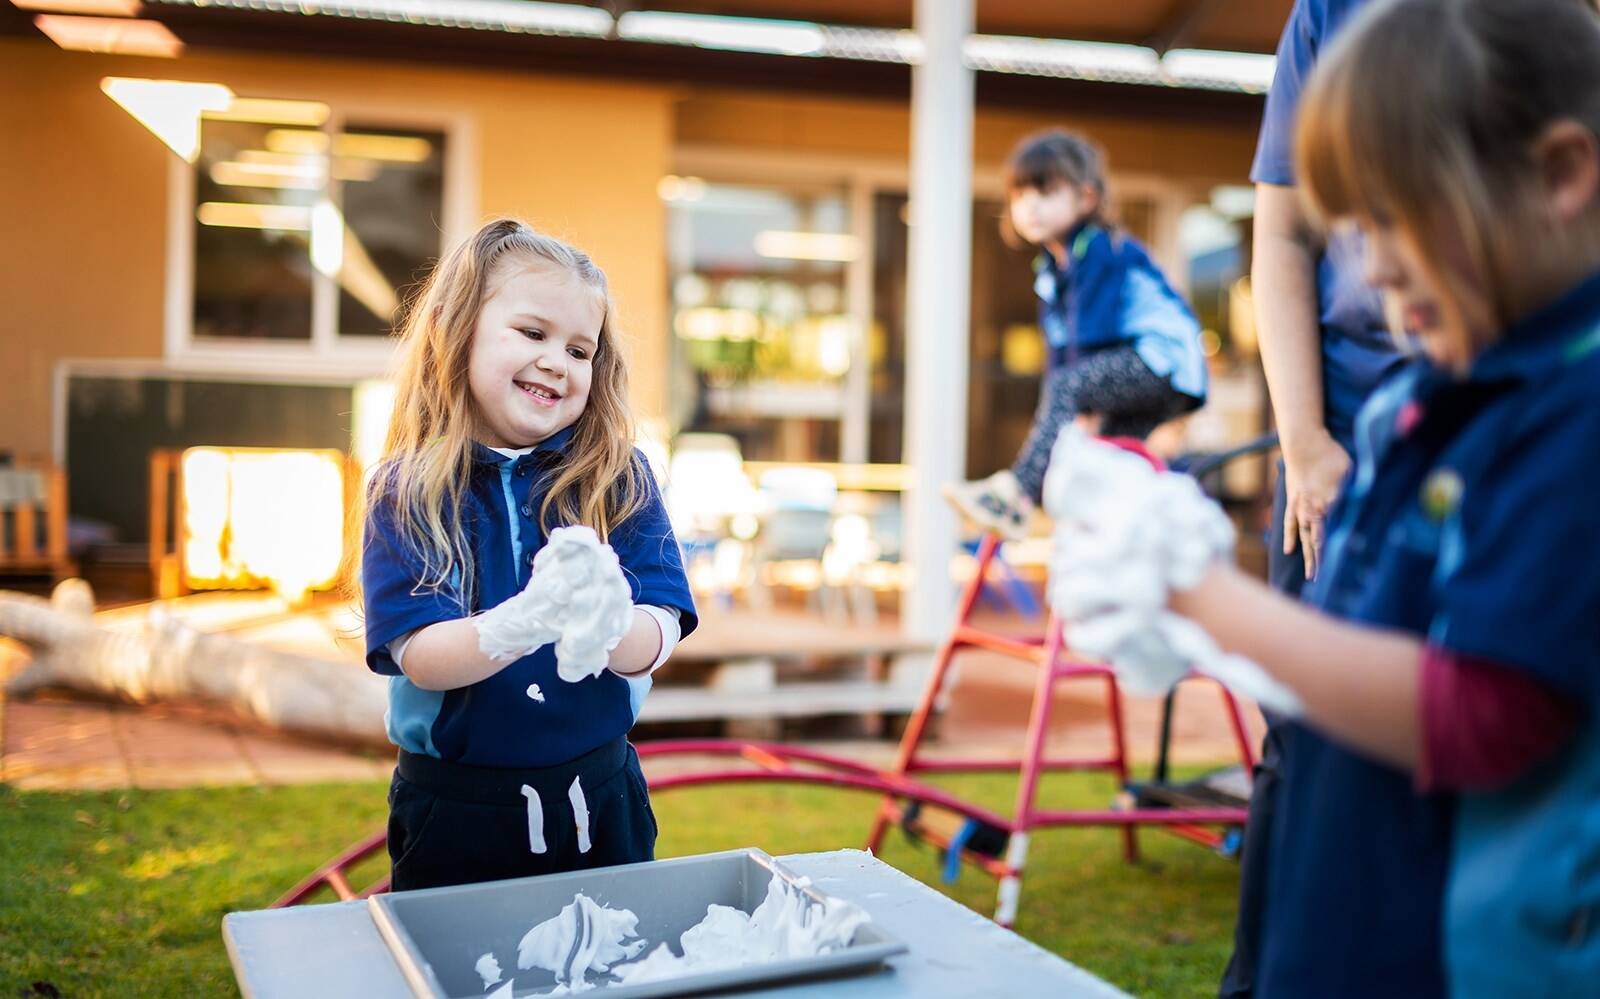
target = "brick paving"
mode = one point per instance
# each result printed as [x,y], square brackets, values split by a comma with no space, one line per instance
[56,742]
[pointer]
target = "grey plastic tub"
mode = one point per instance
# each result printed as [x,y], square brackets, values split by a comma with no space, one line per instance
[438,934]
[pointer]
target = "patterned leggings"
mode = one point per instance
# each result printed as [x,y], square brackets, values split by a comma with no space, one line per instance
[1115,383]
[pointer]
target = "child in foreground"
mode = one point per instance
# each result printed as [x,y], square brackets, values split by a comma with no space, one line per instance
[1437,831]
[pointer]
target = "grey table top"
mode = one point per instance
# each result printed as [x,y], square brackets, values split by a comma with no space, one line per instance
[335,950]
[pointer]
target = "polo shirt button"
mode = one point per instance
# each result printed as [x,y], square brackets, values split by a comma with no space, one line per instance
[527,509]
[522,470]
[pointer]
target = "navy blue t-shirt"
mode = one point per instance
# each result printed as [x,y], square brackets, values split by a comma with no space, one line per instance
[498,721]
[1357,345]
[1470,524]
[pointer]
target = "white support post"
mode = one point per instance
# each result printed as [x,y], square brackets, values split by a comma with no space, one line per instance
[938,302]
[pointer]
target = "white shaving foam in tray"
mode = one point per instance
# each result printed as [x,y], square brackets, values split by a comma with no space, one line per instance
[665,928]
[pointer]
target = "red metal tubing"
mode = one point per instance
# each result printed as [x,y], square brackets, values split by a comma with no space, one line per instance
[967,636]
[1247,753]
[332,874]
[738,747]
[956,766]
[1119,743]
[884,784]
[1038,726]
[1141,816]
[1196,834]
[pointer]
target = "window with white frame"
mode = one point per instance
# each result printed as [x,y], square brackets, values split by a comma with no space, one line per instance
[309,228]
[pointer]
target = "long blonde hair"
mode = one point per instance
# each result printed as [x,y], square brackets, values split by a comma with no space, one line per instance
[427,457]
[1424,114]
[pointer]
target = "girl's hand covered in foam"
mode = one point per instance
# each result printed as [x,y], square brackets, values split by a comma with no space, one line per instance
[1126,536]
[577,598]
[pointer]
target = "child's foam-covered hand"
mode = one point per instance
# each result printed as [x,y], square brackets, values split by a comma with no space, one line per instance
[1123,510]
[577,598]
[1126,536]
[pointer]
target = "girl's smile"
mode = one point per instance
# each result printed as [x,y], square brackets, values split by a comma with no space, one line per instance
[542,395]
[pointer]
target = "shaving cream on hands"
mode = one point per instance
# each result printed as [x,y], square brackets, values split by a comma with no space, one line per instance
[1126,536]
[577,598]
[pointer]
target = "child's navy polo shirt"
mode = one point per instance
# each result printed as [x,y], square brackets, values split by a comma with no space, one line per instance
[1471,523]
[498,721]
[1110,292]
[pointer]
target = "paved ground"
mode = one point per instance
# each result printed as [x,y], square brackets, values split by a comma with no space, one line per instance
[61,742]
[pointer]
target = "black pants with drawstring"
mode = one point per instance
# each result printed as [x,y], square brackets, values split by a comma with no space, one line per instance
[452,824]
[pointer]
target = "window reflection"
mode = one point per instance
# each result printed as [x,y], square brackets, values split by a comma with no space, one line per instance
[760,322]
[283,211]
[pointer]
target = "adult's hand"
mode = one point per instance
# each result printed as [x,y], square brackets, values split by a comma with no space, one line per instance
[1313,475]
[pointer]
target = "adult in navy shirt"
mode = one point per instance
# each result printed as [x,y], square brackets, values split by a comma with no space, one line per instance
[1324,346]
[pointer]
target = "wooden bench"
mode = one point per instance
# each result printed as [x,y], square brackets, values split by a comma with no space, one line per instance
[766,666]
[33,521]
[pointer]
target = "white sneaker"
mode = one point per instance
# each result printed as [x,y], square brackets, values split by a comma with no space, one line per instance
[996,503]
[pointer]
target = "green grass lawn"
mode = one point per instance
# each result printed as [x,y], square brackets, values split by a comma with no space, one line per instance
[122,893]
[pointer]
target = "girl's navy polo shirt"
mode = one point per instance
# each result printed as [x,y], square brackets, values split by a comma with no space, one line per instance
[1470,523]
[497,722]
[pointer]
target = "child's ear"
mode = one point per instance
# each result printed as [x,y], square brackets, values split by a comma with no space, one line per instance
[1568,159]
[1089,197]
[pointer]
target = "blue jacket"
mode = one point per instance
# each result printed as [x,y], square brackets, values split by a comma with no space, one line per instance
[1110,292]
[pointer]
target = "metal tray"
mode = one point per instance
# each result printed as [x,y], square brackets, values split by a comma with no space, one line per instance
[438,934]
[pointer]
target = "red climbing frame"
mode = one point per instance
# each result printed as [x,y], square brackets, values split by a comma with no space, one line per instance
[898,785]
[767,761]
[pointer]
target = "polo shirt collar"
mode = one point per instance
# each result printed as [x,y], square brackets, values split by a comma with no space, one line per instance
[1553,337]
[555,444]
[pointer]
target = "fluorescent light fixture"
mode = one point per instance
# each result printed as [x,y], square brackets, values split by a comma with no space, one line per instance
[516,16]
[266,158]
[738,34]
[272,111]
[829,246]
[304,173]
[1096,61]
[103,8]
[169,108]
[390,148]
[1250,71]
[233,173]
[1114,63]
[1052,57]
[110,35]
[899,45]
[247,215]
[299,141]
